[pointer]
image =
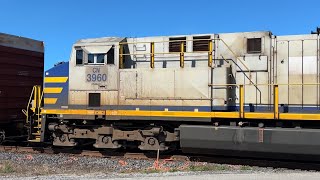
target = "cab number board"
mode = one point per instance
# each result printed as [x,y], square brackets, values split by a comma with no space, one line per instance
[96,76]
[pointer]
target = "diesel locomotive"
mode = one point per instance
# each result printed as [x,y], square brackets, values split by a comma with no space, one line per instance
[201,93]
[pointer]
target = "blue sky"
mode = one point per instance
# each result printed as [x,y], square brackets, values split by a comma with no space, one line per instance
[59,23]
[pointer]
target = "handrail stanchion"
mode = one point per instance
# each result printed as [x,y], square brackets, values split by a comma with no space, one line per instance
[152,55]
[241,101]
[40,94]
[276,101]
[182,54]
[210,53]
[120,56]
[28,106]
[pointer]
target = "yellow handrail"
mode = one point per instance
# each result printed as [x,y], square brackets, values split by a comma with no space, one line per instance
[276,101]
[152,53]
[241,101]
[121,56]
[242,113]
[39,106]
[35,93]
[144,42]
[182,55]
[210,53]
[26,112]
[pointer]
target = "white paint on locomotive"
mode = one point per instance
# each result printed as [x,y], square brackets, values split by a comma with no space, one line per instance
[169,85]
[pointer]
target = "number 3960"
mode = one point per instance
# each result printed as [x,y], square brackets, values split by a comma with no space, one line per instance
[96,77]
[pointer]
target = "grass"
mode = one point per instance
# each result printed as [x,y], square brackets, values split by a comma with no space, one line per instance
[174,170]
[149,171]
[6,168]
[218,167]
[194,167]
[246,168]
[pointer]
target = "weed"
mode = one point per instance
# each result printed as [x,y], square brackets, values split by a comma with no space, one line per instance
[174,170]
[6,167]
[245,168]
[149,171]
[209,168]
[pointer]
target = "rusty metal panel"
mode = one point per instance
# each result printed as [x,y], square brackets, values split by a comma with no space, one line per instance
[22,63]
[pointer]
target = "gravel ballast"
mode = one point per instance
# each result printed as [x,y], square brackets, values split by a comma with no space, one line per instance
[66,166]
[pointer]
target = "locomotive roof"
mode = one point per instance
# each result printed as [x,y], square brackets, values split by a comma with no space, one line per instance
[101,40]
[113,40]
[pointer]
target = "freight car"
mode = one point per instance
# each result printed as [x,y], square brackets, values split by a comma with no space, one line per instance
[201,93]
[21,67]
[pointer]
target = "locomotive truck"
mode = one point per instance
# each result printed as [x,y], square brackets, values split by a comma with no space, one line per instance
[201,93]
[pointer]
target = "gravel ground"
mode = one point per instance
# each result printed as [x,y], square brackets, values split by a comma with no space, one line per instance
[183,175]
[64,166]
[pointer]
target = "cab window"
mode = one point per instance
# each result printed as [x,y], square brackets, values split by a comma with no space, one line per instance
[100,58]
[79,57]
[96,58]
[110,56]
[90,58]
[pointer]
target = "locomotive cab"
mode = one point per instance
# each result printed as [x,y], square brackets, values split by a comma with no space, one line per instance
[94,72]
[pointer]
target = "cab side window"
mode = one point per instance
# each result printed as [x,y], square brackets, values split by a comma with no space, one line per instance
[96,58]
[79,57]
[110,56]
[90,58]
[100,58]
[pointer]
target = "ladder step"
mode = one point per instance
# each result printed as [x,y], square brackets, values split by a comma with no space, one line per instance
[34,140]
[36,134]
[37,139]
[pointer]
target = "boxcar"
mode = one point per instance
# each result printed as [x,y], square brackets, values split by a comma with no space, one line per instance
[21,67]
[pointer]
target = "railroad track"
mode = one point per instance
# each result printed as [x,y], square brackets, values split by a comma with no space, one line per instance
[260,162]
